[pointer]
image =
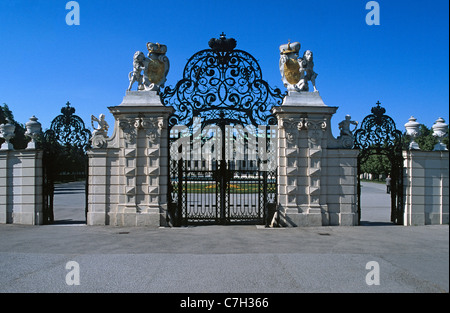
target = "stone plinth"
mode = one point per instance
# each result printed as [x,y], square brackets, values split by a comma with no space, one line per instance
[304,99]
[426,184]
[309,160]
[128,173]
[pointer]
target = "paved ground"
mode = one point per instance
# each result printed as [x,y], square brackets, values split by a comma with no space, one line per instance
[70,203]
[226,259]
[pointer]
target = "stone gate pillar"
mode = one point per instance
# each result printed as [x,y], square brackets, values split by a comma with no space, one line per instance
[313,164]
[426,187]
[129,171]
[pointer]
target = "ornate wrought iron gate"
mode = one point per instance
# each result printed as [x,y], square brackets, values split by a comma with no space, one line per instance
[379,135]
[221,142]
[65,145]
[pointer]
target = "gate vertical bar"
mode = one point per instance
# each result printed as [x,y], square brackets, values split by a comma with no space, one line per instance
[224,211]
[358,188]
[180,207]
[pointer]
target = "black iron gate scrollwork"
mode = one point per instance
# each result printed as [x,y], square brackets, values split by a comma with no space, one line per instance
[221,99]
[379,135]
[65,145]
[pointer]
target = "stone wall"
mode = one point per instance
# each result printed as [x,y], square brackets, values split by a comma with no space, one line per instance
[21,198]
[426,187]
[341,184]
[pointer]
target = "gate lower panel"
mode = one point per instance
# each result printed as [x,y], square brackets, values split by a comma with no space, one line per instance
[221,196]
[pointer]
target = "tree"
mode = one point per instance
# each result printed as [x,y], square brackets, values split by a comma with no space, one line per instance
[376,164]
[20,141]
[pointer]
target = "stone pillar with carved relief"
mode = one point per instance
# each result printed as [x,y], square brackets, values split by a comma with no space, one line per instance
[317,183]
[289,167]
[305,138]
[132,164]
[315,127]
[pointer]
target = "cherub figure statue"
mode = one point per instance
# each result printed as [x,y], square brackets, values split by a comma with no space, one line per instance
[102,128]
[307,68]
[100,133]
[138,67]
[344,126]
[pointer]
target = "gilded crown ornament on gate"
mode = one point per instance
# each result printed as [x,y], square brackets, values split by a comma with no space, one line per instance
[150,72]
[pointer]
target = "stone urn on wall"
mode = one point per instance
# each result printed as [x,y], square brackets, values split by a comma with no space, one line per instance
[440,129]
[7,133]
[33,131]
[412,130]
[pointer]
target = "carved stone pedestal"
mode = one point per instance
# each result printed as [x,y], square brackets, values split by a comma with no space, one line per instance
[128,174]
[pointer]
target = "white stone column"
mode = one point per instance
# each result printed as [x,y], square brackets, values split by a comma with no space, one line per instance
[5,188]
[98,187]
[289,182]
[128,152]
[315,131]
[28,185]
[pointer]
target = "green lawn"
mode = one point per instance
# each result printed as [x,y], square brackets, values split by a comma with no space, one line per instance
[235,188]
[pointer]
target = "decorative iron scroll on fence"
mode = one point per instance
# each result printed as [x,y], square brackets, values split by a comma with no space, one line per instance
[221,87]
[65,145]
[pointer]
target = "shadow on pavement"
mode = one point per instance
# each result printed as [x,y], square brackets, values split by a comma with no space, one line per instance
[368,223]
[68,222]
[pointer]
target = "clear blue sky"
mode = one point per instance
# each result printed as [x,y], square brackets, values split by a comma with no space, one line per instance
[404,62]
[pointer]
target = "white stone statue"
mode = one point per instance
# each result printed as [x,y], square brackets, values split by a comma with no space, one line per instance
[296,72]
[100,133]
[138,67]
[150,72]
[102,125]
[7,133]
[307,69]
[344,126]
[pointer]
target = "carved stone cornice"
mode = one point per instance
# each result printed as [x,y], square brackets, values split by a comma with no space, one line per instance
[316,129]
[291,128]
[153,127]
[129,127]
